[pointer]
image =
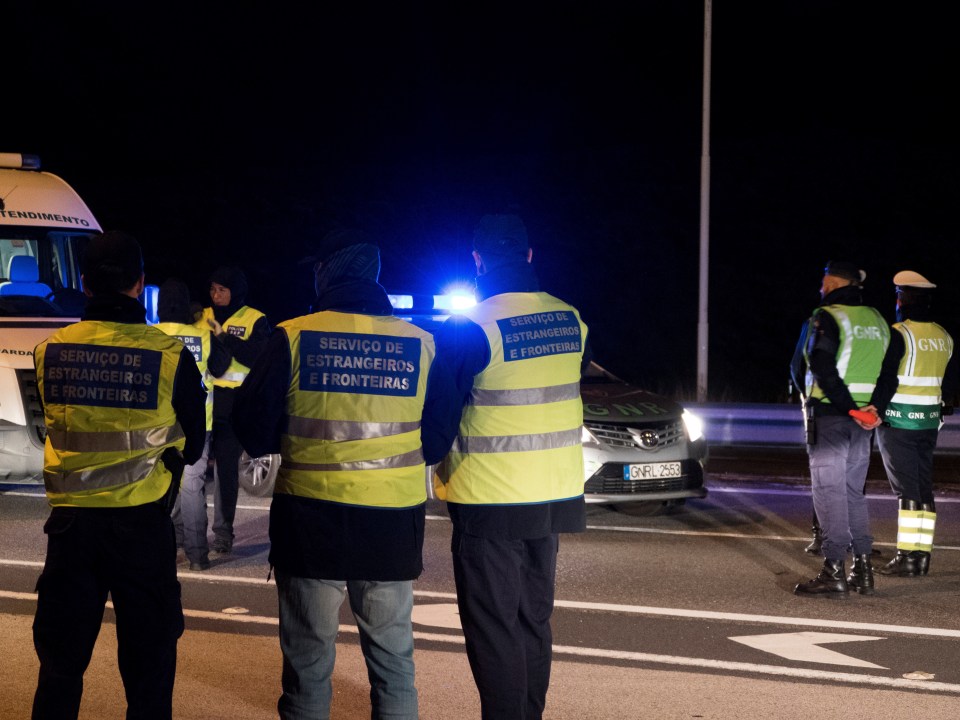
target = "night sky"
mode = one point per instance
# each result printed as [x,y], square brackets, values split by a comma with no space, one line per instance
[240,135]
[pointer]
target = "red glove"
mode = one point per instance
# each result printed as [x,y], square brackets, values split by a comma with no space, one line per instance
[863,416]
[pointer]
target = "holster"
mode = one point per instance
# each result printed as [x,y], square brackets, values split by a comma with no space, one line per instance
[809,424]
[172,461]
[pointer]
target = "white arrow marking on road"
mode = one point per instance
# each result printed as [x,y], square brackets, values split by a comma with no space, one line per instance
[804,646]
[443,615]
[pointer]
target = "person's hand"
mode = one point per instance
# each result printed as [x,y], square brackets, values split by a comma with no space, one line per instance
[867,417]
[216,327]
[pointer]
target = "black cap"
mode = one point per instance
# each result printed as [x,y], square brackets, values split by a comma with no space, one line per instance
[845,270]
[501,235]
[112,263]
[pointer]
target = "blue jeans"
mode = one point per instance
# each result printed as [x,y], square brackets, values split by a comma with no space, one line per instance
[190,510]
[309,620]
[838,473]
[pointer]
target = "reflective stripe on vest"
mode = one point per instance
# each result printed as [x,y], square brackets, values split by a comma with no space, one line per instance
[107,393]
[917,402]
[864,337]
[519,438]
[354,406]
[240,325]
[197,340]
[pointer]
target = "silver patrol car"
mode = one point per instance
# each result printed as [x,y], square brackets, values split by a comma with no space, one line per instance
[638,447]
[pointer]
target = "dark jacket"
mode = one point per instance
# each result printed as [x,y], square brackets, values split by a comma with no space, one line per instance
[316,538]
[823,341]
[463,352]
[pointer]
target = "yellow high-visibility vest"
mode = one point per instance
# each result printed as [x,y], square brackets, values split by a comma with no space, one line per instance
[240,325]
[519,438]
[107,391]
[197,340]
[354,406]
[917,402]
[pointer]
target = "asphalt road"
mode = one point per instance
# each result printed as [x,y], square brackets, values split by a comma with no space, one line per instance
[688,614]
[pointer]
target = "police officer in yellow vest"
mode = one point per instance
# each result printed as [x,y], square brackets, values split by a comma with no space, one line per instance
[846,345]
[513,479]
[244,332]
[212,358]
[340,394]
[121,400]
[927,373]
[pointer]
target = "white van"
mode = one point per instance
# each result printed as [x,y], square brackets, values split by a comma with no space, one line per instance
[44,226]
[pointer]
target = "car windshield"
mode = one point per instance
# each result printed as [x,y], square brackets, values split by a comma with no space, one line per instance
[40,272]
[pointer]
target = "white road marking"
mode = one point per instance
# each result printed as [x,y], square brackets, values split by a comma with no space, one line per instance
[805,647]
[602,654]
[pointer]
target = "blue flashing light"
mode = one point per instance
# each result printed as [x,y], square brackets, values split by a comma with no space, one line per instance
[151,294]
[401,302]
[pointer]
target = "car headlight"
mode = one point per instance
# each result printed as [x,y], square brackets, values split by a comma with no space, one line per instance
[587,437]
[693,424]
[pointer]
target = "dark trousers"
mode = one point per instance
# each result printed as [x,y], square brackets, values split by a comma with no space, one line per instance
[908,459]
[129,553]
[226,450]
[505,596]
[839,461]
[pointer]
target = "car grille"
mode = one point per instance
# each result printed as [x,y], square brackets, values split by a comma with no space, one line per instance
[609,480]
[31,405]
[620,435]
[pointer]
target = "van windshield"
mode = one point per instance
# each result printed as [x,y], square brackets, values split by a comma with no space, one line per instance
[40,272]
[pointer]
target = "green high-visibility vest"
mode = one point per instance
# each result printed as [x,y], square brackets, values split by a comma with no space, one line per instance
[864,337]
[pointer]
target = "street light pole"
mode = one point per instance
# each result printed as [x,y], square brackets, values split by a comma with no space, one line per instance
[702,324]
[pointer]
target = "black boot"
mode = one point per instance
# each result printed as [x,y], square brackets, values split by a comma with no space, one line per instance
[814,547]
[861,575]
[903,564]
[829,583]
[922,560]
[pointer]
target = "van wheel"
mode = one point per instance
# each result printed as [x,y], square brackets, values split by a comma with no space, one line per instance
[258,475]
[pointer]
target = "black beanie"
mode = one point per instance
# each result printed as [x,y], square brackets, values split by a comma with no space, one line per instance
[173,303]
[112,263]
[235,280]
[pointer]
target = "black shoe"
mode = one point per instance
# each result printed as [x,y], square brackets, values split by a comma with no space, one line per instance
[200,566]
[814,547]
[922,560]
[221,547]
[861,575]
[829,583]
[903,564]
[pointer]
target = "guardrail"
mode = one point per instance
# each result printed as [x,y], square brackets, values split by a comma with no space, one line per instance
[781,425]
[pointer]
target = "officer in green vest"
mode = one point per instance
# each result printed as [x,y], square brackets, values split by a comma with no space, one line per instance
[339,393]
[121,400]
[927,373]
[845,358]
[243,331]
[513,477]
[190,511]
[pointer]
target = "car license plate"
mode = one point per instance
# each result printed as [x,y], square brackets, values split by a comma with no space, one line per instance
[652,471]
